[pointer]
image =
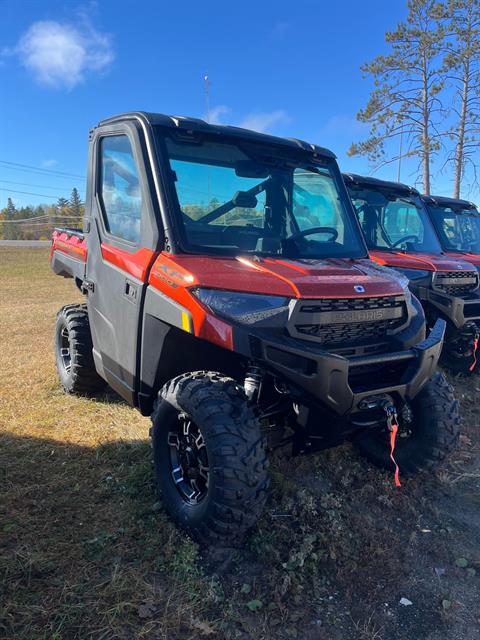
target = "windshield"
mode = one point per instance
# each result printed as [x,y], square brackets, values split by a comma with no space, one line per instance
[394,223]
[457,228]
[236,199]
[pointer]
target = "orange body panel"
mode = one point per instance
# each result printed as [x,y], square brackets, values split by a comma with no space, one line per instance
[69,244]
[136,264]
[429,262]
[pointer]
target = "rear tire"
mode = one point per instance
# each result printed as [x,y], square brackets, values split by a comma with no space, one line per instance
[210,458]
[73,351]
[435,430]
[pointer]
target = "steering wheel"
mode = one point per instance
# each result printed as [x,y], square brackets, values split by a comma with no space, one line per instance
[308,232]
[404,239]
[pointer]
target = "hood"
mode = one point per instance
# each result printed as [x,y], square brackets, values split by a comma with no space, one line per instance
[339,278]
[472,258]
[428,261]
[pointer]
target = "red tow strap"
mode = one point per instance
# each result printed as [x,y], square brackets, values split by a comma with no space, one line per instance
[393,438]
[475,347]
[392,424]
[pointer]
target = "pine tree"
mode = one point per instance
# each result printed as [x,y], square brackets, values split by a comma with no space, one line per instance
[75,206]
[61,213]
[463,64]
[405,101]
[9,228]
[11,210]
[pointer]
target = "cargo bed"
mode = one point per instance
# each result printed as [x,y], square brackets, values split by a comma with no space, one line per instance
[69,253]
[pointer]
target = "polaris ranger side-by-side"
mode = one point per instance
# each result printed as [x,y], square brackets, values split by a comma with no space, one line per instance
[399,234]
[229,295]
[457,223]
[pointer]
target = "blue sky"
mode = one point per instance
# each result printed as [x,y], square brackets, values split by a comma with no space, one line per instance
[287,68]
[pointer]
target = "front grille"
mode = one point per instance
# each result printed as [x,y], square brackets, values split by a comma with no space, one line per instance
[347,321]
[455,283]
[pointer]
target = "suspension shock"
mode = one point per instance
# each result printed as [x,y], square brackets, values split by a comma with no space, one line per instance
[253,381]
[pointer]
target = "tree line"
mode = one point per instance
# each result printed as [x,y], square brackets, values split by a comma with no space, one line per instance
[426,96]
[38,222]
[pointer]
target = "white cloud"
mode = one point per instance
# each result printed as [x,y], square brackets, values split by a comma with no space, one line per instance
[265,121]
[49,163]
[61,55]
[262,121]
[216,114]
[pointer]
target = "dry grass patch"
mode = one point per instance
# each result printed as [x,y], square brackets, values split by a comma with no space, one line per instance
[87,552]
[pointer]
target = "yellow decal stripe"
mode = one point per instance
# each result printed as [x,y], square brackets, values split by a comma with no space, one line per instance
[186,325]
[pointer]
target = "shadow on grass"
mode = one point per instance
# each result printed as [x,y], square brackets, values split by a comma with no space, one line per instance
[86,549]
[108,396]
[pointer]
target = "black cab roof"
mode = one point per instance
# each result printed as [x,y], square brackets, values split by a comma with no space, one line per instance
[353,179]
[443,201]
[195,124]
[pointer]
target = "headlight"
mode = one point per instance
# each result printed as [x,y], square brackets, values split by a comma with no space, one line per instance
[414,274]
[243,307]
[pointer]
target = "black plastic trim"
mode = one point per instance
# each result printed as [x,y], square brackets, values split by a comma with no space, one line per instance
[325,377]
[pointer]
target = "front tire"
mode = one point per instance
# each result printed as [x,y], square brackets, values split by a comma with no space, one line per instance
[210,458]
[458,353]
[433,432]
[73,351]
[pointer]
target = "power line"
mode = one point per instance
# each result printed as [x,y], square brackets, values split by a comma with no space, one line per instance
[34,171]
[40,186]
[29,193]
[27,219]
[42,170]
[40,219]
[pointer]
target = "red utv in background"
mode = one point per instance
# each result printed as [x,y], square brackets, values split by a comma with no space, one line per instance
[399,234]
[457,223]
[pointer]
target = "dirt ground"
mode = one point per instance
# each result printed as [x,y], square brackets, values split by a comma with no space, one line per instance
[86,550]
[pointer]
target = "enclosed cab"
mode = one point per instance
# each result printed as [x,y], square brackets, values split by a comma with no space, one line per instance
[230,296]
[400,234]
[457,223]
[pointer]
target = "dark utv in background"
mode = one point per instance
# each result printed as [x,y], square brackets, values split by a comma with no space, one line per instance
[229,295]
[400,234]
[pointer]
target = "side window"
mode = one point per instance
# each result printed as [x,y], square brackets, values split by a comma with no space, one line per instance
[402,220]
[451,229]
[120,188]
[316,204]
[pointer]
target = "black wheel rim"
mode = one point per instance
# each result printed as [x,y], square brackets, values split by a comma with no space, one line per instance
[188,460]
[65,354]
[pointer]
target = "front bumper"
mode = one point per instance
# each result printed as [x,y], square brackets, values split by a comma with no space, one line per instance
[340,383]
[455,309]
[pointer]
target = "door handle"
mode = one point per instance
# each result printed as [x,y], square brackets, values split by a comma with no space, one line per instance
[130,291]
[88,285]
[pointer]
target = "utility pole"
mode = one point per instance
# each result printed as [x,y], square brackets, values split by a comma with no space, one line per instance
[206,84]
[399,169]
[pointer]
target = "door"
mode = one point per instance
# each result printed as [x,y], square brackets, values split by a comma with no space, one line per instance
[122,241]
